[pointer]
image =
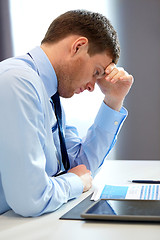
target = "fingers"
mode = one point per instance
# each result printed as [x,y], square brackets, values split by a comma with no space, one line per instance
[86,181]
[114,74]
[109,69]
[127,77]
[80,170]
[84,174]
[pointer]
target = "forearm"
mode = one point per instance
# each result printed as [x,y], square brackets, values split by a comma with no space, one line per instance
[115,104]
[100,139]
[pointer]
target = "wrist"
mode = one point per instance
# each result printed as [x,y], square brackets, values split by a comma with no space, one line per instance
[114,104]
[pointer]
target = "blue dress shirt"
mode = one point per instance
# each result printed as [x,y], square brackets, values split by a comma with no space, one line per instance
[30,152]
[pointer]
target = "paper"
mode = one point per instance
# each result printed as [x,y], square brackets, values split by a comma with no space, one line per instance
[151,192]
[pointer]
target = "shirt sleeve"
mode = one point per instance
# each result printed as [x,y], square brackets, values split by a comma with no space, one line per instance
[99,140]
[28,189]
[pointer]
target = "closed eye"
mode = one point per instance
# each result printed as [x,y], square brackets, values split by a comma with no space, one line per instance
[97,73]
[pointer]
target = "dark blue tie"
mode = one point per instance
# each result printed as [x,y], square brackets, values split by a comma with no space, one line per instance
[58,112]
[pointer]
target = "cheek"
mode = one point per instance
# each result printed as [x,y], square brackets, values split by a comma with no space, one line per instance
[86,72]
[81,72]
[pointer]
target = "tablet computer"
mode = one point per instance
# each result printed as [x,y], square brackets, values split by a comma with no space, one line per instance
[124,210]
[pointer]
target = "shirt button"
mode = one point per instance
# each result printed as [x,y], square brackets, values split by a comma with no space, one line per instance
[116,123]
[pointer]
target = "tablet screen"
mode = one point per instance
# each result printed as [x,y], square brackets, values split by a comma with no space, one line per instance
[126,207]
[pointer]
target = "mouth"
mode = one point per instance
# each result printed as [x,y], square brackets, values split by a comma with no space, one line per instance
[79,90]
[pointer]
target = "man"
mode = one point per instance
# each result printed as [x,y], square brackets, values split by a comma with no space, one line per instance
[80,49]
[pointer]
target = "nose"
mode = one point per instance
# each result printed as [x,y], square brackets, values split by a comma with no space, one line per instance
[90,86]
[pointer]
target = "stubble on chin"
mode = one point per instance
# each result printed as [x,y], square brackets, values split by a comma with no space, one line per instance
[65,94]
[64,88]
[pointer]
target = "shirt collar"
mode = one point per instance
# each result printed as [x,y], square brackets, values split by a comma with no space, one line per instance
[45,70]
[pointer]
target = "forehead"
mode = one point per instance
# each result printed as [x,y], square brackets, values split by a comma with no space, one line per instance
[102,60]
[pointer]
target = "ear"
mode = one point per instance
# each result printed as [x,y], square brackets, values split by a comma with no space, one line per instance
[80,44]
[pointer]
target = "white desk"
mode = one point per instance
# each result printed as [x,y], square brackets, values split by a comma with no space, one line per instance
[49,226]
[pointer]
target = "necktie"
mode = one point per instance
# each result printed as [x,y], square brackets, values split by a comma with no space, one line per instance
[58,112]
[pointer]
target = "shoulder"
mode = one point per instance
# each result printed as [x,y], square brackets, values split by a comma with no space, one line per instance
[18,75]
[16,68]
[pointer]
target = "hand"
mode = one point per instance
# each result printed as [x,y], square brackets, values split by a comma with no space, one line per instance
[84,174]
[115,86]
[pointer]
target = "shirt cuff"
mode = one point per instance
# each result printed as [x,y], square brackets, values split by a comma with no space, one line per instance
[75,185]
[109,119]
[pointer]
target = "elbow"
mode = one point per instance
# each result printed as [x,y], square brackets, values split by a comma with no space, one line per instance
[28,207]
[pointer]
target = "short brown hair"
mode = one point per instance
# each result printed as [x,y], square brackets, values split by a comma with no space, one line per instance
[94,26]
